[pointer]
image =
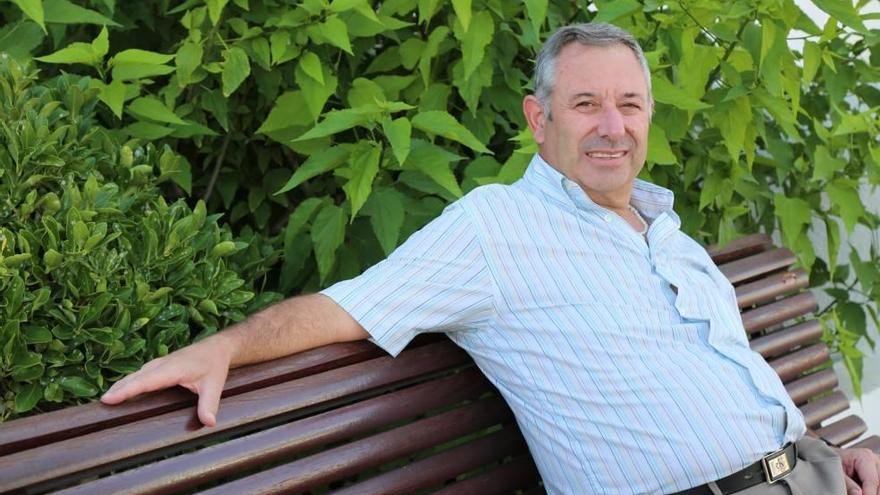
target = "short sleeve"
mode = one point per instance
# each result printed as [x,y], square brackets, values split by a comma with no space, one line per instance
[436,281]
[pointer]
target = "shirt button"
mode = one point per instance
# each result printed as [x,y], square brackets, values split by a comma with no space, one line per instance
[607,217]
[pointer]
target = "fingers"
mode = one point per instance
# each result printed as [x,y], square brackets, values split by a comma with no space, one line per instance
[209,399]
[852,488]
[149,378]
[866,467]
[863,466]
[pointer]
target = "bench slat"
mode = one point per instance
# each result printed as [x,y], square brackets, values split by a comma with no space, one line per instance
[784,340]
[778,312]
[347,460]
[740,248]
[803,388]
[519,472]
[769,288]
[438,468]
[57,425]
[147,438]
[823,408]
[843,431]
[871,443]
[792,365]
[757,264]
[194,468]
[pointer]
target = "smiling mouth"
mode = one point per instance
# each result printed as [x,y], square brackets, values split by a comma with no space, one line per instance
[606,155]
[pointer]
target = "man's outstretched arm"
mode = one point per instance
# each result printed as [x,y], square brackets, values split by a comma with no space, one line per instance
[291,326]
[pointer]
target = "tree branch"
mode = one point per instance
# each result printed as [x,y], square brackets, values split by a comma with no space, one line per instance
[217,165]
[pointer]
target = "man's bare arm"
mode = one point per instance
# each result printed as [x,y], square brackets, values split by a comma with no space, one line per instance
[291,326]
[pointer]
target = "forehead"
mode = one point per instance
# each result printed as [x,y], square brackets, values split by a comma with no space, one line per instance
[599,69]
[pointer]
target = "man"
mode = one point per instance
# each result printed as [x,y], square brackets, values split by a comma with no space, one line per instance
[618,345]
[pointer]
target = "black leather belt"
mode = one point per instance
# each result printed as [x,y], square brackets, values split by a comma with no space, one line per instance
[769,469]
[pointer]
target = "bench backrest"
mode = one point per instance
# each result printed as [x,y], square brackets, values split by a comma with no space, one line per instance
[347,417]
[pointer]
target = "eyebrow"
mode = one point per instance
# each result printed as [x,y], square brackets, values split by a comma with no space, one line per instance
[627,95]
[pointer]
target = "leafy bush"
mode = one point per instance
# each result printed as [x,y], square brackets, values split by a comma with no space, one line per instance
[97,272]
[377,114]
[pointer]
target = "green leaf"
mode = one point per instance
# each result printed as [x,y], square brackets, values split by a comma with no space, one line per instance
[442,124]
[843,11]
[475,41]
[364,167]
[236,68]
[462,10]
[427,9]
[854,123]
[19,39]
[27,397]
[328,233]
[711,189]
[338,121]
[131,72]
[287,112]
[113,95]
[33,9]
[336,33]
[316,94]
[537,10]
[658,147]
[78,386]
[188,59]
[794,215]
[824,164]
[613,10]
[844,195]
[64,12]
[149,107]
[215,9]
[399,134]
[664,92]
[75,53]
[386,217]
[311,65]
[361,6]
[433,161]
[37,335]
[178,169]
[137,56]
[147,130]
[733,122]
[812,57]
[430,51]
[317,164]
[101,43]
[832,234]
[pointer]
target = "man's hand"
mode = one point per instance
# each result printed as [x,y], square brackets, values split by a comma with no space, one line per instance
[862,467]
[201,367]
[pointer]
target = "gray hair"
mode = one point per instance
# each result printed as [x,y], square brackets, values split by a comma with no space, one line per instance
[588,34]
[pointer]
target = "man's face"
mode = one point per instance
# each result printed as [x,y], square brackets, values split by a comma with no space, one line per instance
[601,112]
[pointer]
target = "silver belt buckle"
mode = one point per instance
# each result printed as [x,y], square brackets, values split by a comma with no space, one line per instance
[776,465]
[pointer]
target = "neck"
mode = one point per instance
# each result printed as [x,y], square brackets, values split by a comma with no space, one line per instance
[617,202]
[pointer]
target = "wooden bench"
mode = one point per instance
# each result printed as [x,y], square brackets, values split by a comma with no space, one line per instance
[349,419]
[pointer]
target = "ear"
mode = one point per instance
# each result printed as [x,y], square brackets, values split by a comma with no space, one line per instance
[534,113]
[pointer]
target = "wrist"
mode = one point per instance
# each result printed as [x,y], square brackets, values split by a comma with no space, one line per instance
[227,344]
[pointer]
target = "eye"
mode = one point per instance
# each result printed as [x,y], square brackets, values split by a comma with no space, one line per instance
[584,104]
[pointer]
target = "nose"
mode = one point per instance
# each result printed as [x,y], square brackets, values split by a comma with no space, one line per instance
[611,123]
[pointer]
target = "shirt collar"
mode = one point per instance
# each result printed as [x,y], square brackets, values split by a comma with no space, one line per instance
[650,199]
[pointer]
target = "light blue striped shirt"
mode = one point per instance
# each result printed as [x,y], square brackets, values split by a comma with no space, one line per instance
[619,384]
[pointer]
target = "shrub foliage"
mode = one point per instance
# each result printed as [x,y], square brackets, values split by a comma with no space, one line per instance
[336,128]
[97,272]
